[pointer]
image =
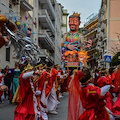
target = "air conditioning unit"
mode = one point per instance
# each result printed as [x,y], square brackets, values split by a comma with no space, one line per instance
[16,2]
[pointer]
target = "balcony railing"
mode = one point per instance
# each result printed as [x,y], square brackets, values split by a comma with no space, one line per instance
[46,53]
[46,39]
[47,4]
[24,4]
[45,18]
[93,18]
[90,31]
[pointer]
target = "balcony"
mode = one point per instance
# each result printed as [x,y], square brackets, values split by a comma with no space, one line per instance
[47,4]
[46,40]
[45,52]
[45,20]
[45,59]
[92,57]
[90,31]
[93,17]
[24,4]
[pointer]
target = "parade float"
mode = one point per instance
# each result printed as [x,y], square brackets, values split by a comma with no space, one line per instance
[73,44]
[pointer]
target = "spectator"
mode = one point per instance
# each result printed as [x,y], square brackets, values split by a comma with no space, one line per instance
[8,79]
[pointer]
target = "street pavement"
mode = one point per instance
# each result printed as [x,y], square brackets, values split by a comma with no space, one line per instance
[7,110]
[62,109]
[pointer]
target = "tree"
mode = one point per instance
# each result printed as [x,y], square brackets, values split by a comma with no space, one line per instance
[116,59]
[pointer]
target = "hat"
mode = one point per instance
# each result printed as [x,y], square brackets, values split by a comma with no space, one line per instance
[115,69]
[40,65]
[99,68]
[102,82]
[28,67]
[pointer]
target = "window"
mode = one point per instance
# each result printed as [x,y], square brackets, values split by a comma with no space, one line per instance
[8,54]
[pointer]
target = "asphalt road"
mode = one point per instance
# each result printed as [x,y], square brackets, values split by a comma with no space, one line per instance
[7,110]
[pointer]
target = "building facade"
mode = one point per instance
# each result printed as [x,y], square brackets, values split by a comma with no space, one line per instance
[65,21]
[41,17]
[108,31]
[90,31]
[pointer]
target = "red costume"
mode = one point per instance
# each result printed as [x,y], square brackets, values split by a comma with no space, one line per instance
[93,103]
[51,81]
[117,82]
[27,108]
[108,97]
[75,108]
[116,106]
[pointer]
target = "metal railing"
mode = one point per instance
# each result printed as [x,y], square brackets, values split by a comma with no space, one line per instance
[93,18]
[44,32]
[44,12]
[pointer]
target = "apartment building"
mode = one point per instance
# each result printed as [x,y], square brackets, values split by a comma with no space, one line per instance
[16,11]
[65,21]
[108,30]
[41,17]
[90,31]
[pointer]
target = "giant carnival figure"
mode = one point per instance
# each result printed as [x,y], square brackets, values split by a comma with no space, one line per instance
[72,40]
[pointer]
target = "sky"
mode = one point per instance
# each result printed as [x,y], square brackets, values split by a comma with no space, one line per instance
[84,7]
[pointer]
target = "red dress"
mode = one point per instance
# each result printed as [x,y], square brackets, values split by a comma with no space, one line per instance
[51,81]
[75,108]
[116,106]
[93,103]
[117,82]
[25,109]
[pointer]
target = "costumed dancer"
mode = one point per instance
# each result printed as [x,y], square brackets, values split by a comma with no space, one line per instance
[102,81]
[16,78]
[75,108]
[92,99]
[40,88]
[58,83]
[50,92]
[28,107]
[116,106]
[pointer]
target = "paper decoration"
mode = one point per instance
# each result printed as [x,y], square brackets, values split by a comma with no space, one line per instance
[18,23]
[25,24]
[34,22]
[15,18]
[29,32]
[26,17]
[26,29]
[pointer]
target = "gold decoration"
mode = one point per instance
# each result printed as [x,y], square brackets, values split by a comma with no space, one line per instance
[29,67]
[40,65]
[76,14]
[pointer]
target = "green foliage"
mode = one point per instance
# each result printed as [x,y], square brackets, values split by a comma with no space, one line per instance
[116,59]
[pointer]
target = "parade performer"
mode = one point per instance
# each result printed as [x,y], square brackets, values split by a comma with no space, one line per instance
[28,107]
[72,40]
[117,80]
[4,38]
[40,81]
[102,81]
[75,108]
[16,78]
[92,99]
[50,92]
